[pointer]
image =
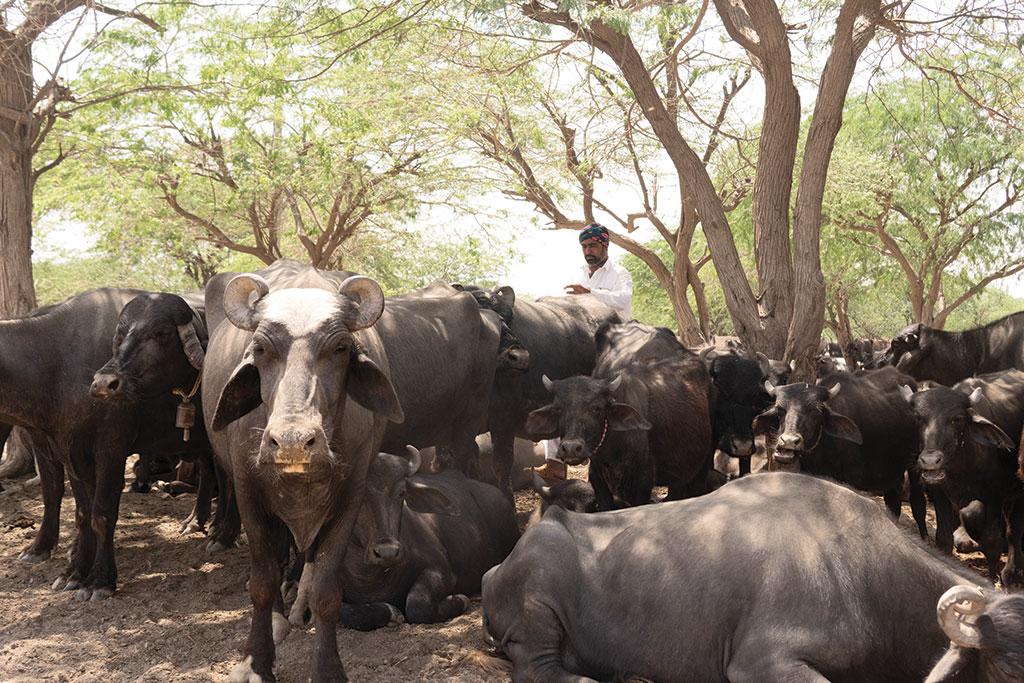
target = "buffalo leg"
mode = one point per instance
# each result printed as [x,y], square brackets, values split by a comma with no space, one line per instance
[226,521]
[204,496]
[918,503]
[638,483]
[1013,572]
[264,592]
[503,443]
[430,599]
[83,552]
[943,519]
[51,478]
[893,501]
[142,475]
[368,617]
[106,505]
[602,493]
[327,597]
[744,465]
[984,524]
[467,455]
[536,653]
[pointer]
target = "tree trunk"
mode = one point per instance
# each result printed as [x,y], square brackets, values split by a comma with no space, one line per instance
[17,292]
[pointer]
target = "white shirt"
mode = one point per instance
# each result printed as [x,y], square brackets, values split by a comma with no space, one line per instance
[612,285]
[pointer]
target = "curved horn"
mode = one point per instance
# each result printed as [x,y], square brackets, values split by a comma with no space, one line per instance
[368,297]
[191,345]
[613,386]
[976,396]
[835,390]
[708,355]
[548,384]
[538,484]
[769,387]
[241,295]
[955,610]
[907,393]
[764,363]
[415,459]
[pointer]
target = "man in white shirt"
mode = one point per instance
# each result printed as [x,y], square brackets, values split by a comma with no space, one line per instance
[607,282]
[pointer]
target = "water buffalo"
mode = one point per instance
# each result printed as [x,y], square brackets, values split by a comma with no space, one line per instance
[855,428]
[948,357]
[574,495]
[740,396]
[296,397]
[967,454]
[597,596]
[642,418]
[558,333]
[421,544]
[159,349]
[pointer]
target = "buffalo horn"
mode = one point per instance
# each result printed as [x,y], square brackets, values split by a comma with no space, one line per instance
[191,345]
[548,384]
[414,459]
[241,295]
[368,297]
[763,362]
[769,388]
[956,610]
[708,355]
[538,485]
[614,384]
[835,390]
[975,396]
[907,393]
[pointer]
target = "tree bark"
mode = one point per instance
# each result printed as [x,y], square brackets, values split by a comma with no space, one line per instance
[17,130]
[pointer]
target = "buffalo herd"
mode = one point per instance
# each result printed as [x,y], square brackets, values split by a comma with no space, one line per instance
[299,404]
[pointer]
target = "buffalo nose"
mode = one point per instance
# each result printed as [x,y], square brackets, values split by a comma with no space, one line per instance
[105,385]
[790,441]
[742,446]
[518,359]
[293,445]
[385,552]
[930,460]
[571,451]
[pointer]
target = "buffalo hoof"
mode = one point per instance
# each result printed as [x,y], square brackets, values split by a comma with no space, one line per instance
[140,486]
[243,673]
[104,593]
[84,594]
[216,547]
[1011,578]
[299,616]
[69,585]
[281,627]
[29,557]
[192,526]
[397,618]
[963,542]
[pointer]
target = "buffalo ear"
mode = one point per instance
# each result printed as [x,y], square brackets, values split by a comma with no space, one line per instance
[623,417]
[425,498]
[766,422]
[988,434]
[505,295]
[842,427]
[240,396]
[370,388]
[543,423]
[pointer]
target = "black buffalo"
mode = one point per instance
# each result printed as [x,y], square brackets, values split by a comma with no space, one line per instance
[421,544]
[740,396]
[159,349]
[642,418]
[616,595]
[296,397]
[558,333]
[968,434]
[855,428]
[948,357]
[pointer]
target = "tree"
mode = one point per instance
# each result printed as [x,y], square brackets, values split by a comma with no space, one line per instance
[945,208]
[660,54]
[28,112]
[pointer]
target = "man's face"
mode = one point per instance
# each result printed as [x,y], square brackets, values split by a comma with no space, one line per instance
[594,252]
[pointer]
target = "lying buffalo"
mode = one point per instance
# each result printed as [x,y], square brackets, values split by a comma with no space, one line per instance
[663,592]
[296,397]
[642,418]
[421,544]
[948,357]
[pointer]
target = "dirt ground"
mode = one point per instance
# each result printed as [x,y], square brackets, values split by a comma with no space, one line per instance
[181,614]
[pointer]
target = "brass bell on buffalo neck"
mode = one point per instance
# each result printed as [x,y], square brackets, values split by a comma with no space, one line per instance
[185,417]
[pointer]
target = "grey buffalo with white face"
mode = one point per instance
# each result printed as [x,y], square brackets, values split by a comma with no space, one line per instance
[656,592]
[296,397]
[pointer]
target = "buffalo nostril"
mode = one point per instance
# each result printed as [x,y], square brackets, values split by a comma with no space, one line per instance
[274,443]
[311,442]
[114,384]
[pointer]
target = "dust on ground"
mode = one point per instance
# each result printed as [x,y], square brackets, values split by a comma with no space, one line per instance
[181,614]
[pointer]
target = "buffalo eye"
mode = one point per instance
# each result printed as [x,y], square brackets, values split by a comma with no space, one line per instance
[341,349]
[258,350]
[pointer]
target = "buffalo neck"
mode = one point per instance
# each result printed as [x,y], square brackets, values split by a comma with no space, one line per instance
[953,356]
